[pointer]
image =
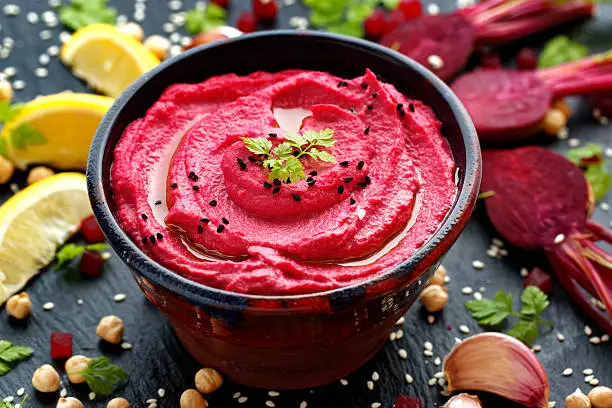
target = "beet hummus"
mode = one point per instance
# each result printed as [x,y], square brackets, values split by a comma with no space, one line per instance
[195,195]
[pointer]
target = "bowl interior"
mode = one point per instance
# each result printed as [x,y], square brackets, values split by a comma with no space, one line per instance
[275,51]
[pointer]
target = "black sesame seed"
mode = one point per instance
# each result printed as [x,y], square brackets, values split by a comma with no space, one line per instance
[220,228]
[309,179]
[344,83]
[352,201]
[399,106]
[402,113]
[312,183]
[368,180]
[348,180]
[411,107]
[144,240]
[360,165]
[195,188]
[144,216]
[252,159]
[195,178]
[158,202]
[297,197]
[364,85]
[366,131]
[241,163]
[296,154]
[288,181]
[277,182]
[225,220]
[313,173]
[340,84]
[212,203]
[344,163]
[374,94]
[275,190]
[267,185]
[272,134]
[352,110]
[191,174]
[370,107]
[160,236]
[362,184]
[173,185]
[204,220]
[152,239]
[200,229]
[340,189]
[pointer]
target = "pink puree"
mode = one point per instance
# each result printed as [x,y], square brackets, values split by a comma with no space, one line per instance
[273,244]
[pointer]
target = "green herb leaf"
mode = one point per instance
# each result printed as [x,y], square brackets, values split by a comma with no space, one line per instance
[10,355]
[8,111]
[6,404]
[296,140]
[283,151]
[102,377]
[600,180]
[4,344]
[26,135]
[202,19]
[584,154]
[560,50]
[390,4]
[259,145]
[4,368]
[590,159]
[81,13]
[525,330]
[534,301]
[71,251]
[491,312]
[343,16]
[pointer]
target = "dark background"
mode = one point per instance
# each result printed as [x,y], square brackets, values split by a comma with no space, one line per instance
[158,360]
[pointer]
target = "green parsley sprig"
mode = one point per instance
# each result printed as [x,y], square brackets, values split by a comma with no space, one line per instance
[23,135]
[6,404]
[102,377]
[202,19]
[11,355]
[71,251]
[559,50]
[284,160]
[590,159]
[493,312]
[81,13]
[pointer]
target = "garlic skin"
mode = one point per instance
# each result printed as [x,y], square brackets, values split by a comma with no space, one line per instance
[498,364]
[463,401]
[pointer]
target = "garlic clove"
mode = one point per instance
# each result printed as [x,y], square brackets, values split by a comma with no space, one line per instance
[463,401]
[498,364]
[577,400]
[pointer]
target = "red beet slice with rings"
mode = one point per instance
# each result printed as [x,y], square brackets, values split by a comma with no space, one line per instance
[509,106]
[541,201]
[452,37]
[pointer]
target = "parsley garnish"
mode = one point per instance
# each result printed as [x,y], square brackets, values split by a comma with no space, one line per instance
[590,159]
[10,355]
[493,312]
[560,50]
[282,162]
[102,376]
[71,251]
[6,404]
[81,13]
[202,19]
[23,135]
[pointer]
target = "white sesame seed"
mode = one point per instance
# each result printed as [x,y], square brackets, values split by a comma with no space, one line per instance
[8,42]
[432,382]
[458,340]
[175,50]
[11,10]
[370,385]
[14,188]
[153,405]
[492,253]
[161,392]
[503,252]
[428,353]
[594,382]
[361,213]
[497,242]
[441,382]
[605,338]
[604,121]
[409,378]
[588,378]
[10,71]
[185,41]
[560,337]
[5,53]
[559,238]
[119,297]
[587,371]
[478,296]
[273,393]
[178,19]
[439,374]
[236,395]
[151,401]
[20,392]
[63,392]
[435,61]
[587,329]
[567,372]
[573,142]
[376,405]
[175,37]
[595,340]
[53,50]
[140,7]
[464,329]
[433,9]
[604,207]
[399,334]
[524,272]
[402,353]
[400,321]
[80,301]
[431,319]
[44,59]
[92,396]
[392,336]
[552,404]
[445,393]
[55,3]
[270,403]
[45,35]
[375,376]
[139,15]
[41,72]
[9,399]
[608,151]
[122,19]
[175,5]
[106,256]
[428,346]
[303,404]
[467,290]
[32,17]
[478,264]
[242,400]
[64,36]
[298,22]
[343,381]
[168,28]
[19,85]
[447,279]
[437,361]
[126,346]
[537,348]
[48,306]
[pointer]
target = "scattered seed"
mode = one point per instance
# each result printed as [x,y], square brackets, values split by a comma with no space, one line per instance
[437,361]
[524,272]
[587,371]
[343,382]
[467,290]
[464,329]
[220,228]
[303,404]
[432,382]
[161,392]
[48,306]
[431,319]
[428,346]
[478,296]
[370,385]
[376,405]
[478,264]
[20,392]
[402,353]
[375,376]
[400,321]
[594,382]
[409,378]
[212,203]
[119,297]
[595,340]
[605,338]
[435,61]
[126,346]
[273,393]
[92,396]
[588,378]
[340,189]
[587,330]
[560,337]
[200,229]
[296,197]
[428,353]
[567,372]
[275,190]
[559,238]
[537,348]
[242,400]
[236,395]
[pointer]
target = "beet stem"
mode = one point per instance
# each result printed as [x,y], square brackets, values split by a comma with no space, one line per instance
[602,233]
[506,10]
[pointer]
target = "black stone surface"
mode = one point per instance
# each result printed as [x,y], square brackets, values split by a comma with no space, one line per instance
[159,361]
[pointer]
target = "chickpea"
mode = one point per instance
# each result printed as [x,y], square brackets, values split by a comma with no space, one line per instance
[46,379]
[158,45]
[39,173]
[7,168]
[577,400]
[208,380]
[553,122]
[134,30]
[19,306]
[6,90]
[434,298]
[118,403]
[110,329]
[193,399]
[601,397]
[563,106]
[69,402]
[439,276]
[74,365]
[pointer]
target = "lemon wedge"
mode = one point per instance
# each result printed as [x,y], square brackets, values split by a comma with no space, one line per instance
[58,130]
[34,223]
[106,59]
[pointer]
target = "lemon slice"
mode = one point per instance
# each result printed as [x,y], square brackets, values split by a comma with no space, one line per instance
[106,59]
[34,223]
[66,122]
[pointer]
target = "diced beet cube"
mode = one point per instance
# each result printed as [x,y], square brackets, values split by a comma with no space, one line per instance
[91,230]
[537,277]
[61,345]
[404,401]
[91,264]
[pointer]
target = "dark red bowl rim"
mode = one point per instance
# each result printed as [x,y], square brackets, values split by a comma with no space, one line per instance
[441,241]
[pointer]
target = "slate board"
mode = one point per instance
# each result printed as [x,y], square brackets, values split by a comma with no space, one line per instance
[159,361]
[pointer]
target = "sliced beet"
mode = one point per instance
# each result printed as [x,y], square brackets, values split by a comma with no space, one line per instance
[91,231]
[539,202]
[537,277]
[509,106]
[61,345]
[452,37]
[404,401]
